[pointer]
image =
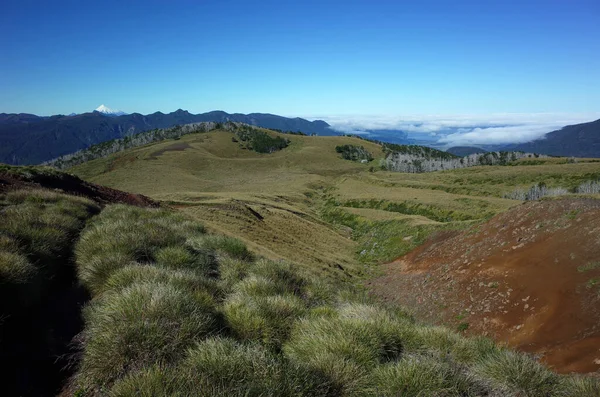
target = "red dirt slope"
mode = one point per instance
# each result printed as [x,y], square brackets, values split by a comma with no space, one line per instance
[69,184]
[529,277]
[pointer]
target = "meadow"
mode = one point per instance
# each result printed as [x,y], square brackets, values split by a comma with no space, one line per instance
[250,279]
[306,194]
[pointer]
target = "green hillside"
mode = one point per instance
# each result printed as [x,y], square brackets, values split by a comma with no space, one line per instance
[250,278]
[175,310]
[301,190]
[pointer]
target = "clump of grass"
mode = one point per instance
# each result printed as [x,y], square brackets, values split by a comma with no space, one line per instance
[181,257]
[588,267]
[417,376]
[222,366]
[578,386]
[446,343]
[15,268]
[180,313]
[156,381]
[264,318]
[122,235]
[231,271]
[223,245]
[142,325]
[516,373]
[280,273]
[184,279]
[347,346]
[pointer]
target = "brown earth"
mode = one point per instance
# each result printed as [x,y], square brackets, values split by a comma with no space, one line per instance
[70,184]
[529,277]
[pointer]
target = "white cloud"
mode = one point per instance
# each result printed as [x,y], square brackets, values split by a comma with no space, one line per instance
[464,129]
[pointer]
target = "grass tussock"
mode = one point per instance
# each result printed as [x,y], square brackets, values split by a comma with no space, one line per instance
[37,229]
[142,325]
[122,235]
[178,312]
[517,373]
[421,376]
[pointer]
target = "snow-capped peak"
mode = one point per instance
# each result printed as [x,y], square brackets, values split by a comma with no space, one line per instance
[108,111]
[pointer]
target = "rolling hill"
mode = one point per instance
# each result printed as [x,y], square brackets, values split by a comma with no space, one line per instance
[29,139]
[249,278]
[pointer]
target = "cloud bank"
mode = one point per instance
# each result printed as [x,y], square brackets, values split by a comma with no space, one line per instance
[462,130]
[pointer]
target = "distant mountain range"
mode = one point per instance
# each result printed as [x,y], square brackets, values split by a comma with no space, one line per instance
[579,140]
[30,139]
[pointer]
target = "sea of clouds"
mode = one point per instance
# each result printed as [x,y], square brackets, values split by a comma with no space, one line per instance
[459,130]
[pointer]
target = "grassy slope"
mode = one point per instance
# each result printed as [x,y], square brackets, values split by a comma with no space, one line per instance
[224,186]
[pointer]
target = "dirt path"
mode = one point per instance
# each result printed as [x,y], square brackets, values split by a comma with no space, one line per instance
[529,277]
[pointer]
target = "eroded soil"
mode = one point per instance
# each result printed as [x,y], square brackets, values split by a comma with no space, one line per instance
[529,277]
[70,184]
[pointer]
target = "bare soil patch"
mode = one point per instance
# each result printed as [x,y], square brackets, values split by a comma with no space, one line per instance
[176,147]
[529,277]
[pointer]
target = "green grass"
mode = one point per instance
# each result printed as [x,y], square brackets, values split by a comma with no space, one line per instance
[139,326]
[418,376]
[517,373]
[588,267]
[165,321]
[123,235]
[37,229]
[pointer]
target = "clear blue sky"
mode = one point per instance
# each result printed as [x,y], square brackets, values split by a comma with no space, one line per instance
[301,57]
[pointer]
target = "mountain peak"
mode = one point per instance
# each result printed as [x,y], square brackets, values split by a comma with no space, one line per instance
[108,111]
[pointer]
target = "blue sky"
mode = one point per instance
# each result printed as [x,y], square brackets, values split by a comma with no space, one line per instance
[308,58]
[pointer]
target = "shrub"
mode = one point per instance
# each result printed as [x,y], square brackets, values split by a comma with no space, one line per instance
[516,373]
[354,153]
[139,326]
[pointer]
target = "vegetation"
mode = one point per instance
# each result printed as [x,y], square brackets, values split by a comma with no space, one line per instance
[416,159]
[258,327]
[106,148]
[259,141]
[423,152]
[175,310]
[354,153]
[39,300]
[330,220]
[540,190]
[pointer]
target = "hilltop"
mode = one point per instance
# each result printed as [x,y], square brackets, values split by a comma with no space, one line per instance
[29,139]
